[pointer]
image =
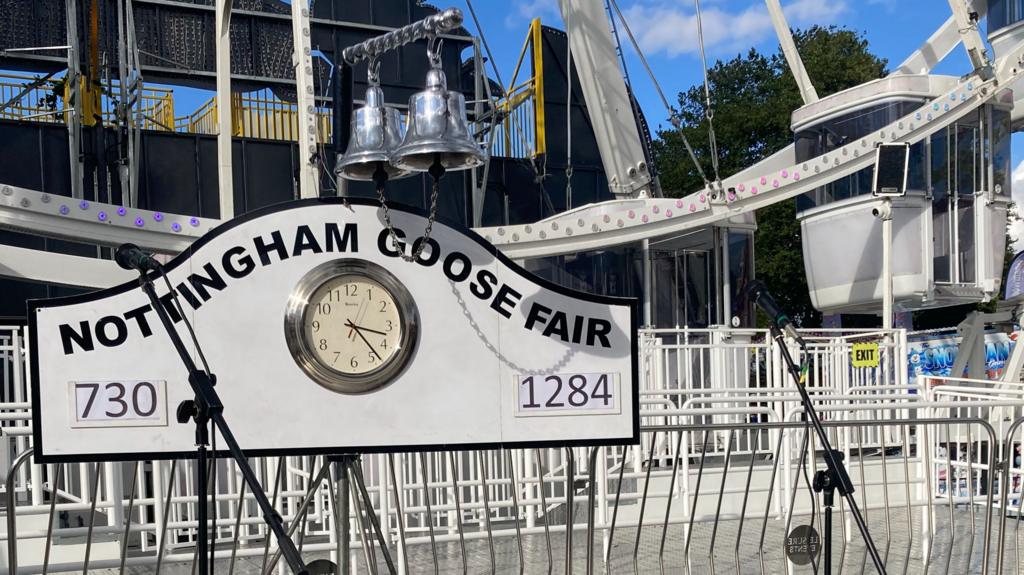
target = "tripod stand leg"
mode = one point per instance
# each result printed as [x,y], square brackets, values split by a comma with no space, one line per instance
[340,495]
[827,561]
[202,529]
[357,475]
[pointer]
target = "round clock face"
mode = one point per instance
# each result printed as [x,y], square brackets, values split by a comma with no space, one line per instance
[351,326]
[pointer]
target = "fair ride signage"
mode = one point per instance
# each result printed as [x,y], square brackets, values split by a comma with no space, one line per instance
[324,340]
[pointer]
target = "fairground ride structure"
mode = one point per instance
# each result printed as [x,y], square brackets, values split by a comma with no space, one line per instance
[949,230]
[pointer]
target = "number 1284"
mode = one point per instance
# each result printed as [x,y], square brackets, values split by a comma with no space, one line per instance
[567,392]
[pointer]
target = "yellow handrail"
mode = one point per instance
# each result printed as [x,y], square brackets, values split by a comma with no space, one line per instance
[254,115]
[525,99]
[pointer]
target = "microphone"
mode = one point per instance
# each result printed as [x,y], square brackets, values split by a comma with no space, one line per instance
[758,293]
[131,257]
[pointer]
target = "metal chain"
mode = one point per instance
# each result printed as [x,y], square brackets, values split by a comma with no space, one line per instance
[709,111]
[568,121]
[431,218]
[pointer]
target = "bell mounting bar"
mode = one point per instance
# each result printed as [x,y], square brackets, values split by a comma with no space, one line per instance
[432,25]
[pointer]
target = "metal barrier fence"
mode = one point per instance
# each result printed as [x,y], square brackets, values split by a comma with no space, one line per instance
[719,478]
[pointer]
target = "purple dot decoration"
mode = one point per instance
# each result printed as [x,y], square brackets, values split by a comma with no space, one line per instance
[102,216]
[84,204]
[194,222]
[158,217]
[64,210]
[753,190]
[775,183]
[655,209]
[764,180]
[796,176]
[732,196]
[122,211]
[176,227]
[679,203]
[631,214]
[702,198]
[693,208]
[741,187]
[668,213]
[785,174]
[140,222]
[644,218]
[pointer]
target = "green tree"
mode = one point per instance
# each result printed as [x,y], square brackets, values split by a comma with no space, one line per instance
[752,98]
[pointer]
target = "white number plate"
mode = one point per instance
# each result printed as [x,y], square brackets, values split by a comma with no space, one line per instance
[118,403]
[567,393]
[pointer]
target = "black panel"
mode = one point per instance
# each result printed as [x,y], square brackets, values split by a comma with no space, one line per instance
[206,169]
[21,155]
[269,173]
[167,173]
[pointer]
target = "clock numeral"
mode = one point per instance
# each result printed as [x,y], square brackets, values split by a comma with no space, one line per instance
[337,354]
[373,356]
[316,326]
[390,326]
[351,290]
[383,306]
[384,344]
[323,308]
[323,345]
[353,362]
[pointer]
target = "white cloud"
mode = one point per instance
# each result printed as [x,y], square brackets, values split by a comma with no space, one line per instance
[1016,227]
[670,27]
[526,10]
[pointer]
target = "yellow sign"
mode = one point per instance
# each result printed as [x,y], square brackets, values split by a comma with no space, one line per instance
[864,355]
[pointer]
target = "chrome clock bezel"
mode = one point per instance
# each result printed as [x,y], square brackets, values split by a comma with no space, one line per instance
[302,351]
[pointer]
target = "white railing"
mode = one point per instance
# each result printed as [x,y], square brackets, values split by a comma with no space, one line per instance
[708,398]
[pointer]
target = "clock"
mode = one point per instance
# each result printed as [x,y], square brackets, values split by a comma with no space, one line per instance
[351,326]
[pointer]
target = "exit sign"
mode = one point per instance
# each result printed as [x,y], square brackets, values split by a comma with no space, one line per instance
[864,355]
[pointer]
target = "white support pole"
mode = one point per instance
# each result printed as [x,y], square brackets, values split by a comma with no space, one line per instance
[969,34]
[938,46]
[603,87]
[74,115]
[302,58]
[796,65]
[726,279]
[225,180]
[887,303]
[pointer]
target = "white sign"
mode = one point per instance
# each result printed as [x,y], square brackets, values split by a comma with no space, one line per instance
[324,340]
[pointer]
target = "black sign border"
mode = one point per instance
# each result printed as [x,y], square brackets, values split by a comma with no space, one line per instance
[36,304]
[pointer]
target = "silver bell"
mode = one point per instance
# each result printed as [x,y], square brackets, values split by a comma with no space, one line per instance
[376,131]
[437,131]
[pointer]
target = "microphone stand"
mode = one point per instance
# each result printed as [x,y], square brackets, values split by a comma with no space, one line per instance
[835,476]
[204,409]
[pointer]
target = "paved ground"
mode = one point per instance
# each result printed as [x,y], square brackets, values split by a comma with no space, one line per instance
[901,549]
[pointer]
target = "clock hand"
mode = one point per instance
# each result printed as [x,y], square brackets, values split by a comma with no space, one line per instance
[359,327]
[359,332]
